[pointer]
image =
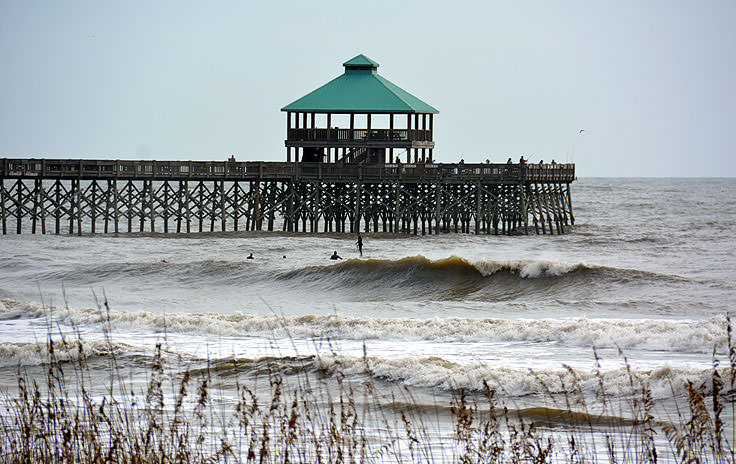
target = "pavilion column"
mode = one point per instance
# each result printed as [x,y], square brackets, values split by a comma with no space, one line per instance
[296,126]
[431,135]
[312,124]
[329,137]
[416,126]
[288,130]
[391,136]
[408,136]
[424,131]
[352,136]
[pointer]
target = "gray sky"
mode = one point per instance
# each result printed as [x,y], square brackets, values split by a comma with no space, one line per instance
[652,83]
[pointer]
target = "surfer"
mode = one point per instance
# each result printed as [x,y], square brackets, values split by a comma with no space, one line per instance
[335,256]
[250,256]
[359,243]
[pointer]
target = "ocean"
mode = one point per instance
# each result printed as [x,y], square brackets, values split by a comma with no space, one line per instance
[639,289]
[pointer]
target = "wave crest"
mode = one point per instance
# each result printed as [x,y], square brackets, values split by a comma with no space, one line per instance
[649,334]
[32,354]
[434,372]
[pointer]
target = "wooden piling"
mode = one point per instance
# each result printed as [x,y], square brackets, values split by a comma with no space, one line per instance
[305,198]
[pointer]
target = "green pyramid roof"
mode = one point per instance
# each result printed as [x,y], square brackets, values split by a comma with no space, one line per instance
[360,90]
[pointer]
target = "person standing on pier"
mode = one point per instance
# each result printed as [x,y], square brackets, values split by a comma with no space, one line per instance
[359,244]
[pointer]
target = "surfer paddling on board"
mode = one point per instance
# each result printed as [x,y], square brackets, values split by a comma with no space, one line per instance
[359,244]
[335,256]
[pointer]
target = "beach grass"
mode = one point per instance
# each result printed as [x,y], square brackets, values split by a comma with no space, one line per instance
[182,415]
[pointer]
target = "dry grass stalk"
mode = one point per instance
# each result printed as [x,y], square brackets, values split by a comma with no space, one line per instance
[61,420]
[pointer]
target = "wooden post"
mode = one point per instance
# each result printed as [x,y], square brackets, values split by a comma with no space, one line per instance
[236,212]
[79,207]
[391,137]
[291,222]
[166,207]
[115,202]
[424,128]
[43,207]
[288,132]
[179,211]
[93,207]
[212,197]
[524,212]
[257,207]
[108,192]
[272,200]
[477,208]
[187,206]
[538,196]
[72,204]
[397,199]
[431,135]
[129,213]
[316,206]
[223,210]
[36,194]
[3,195]
[200,205]
[408,137]
[19,207]
[151,205]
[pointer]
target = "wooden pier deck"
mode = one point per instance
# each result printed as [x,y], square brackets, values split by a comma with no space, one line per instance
[92,196]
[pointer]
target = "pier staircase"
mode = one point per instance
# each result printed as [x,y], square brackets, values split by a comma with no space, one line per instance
[357,155]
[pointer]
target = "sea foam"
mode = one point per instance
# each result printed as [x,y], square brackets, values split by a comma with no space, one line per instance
[647,334]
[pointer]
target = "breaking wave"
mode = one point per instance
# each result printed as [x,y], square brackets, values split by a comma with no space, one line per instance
[458,278]
[451,278]
[667,335]
[436,372]
[425,372]
[31,354]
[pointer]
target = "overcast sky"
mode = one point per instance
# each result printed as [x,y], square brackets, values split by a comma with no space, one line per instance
[652,83]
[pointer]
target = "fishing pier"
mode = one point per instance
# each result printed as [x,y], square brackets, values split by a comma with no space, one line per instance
[93,196]
[359,157]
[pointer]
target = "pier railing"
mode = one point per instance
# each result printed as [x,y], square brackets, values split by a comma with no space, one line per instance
[338,135]
[261,170]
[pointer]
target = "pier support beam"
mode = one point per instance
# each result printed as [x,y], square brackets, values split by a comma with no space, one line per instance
[428,207]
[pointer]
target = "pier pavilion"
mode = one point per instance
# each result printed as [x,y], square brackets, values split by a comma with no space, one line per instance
[359,94]
[335,179]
